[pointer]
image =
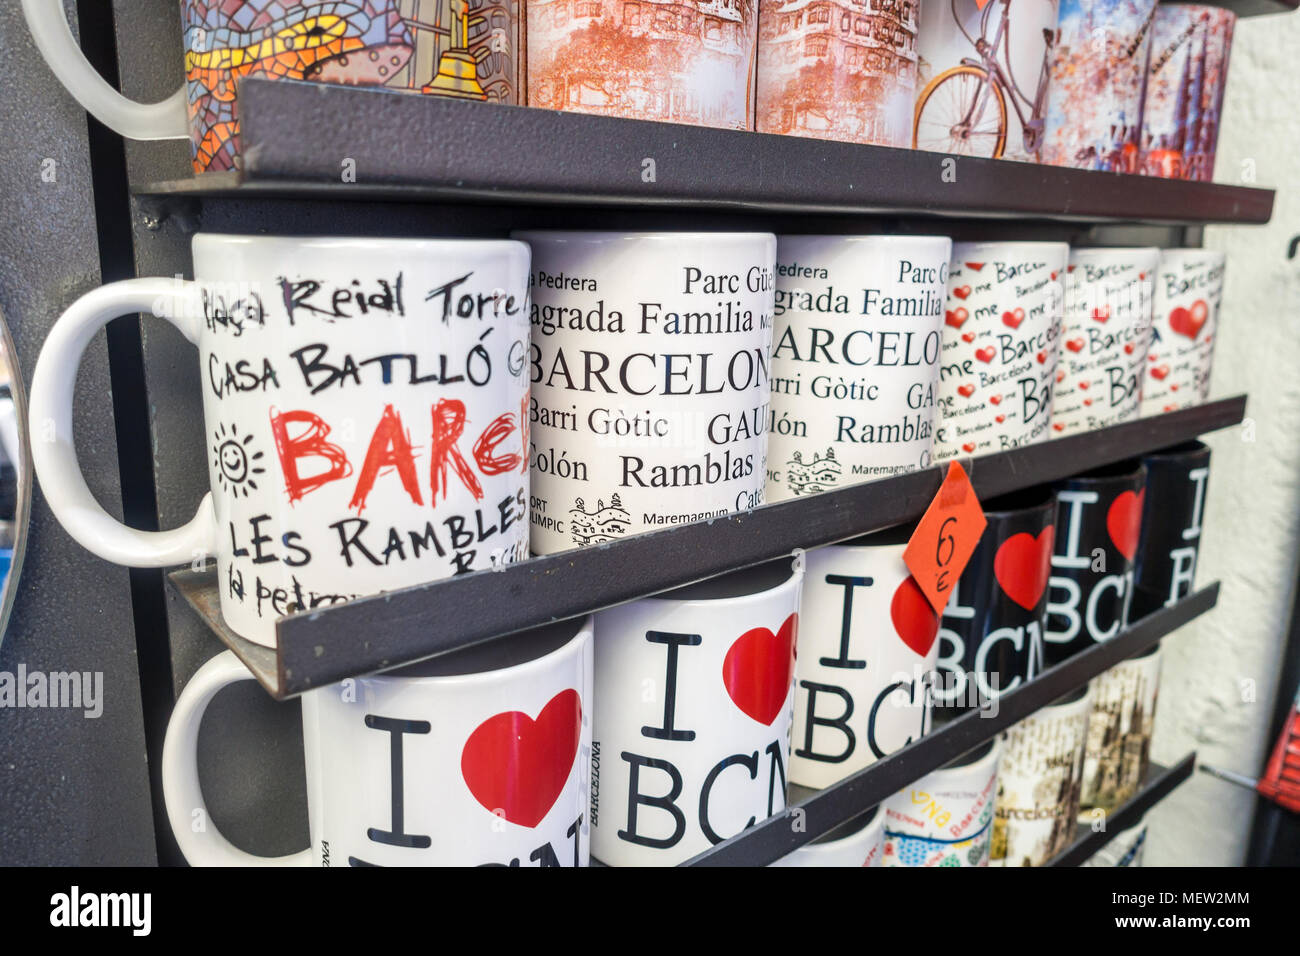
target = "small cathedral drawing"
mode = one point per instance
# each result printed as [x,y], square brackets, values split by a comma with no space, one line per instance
[603,523]
[810,477]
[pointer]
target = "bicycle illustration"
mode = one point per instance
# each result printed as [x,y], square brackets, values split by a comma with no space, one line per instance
[963,110]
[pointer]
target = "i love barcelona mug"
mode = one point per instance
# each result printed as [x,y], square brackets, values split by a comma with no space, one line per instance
[859,842]
[364,409]
[946,817]
[1173,511]
[855,359]
[1109,297]
[694,692]
[866,665]
[1189,292]
[478,757]
[1001,339]
[470,51]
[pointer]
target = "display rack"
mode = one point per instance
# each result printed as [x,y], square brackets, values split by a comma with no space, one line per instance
[1158,783]
[773,838]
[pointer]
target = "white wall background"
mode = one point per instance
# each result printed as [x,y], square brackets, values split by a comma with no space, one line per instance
[1220,673]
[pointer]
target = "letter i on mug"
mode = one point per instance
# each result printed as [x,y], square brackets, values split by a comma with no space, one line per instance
[694,692]
[363,417]
[864,675]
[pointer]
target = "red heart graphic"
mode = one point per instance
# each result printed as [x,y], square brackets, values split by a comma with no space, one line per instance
[518,766]
[1000,419]
[1128,349]
[1170,408]
[1069,269]
[1087,401]
[968,337]
[1188,322]
[1083,385]
[969,447]
[1059,427]
[759,668]
[1151,356]
[1060,377]
[961,292]
[1013,319]
[986,354]
[965,391]
[1142,275]
[977,266]
[1053,276]
[1173,387]
[1124,521]
[914,619]
[955,318]
[1042,358]
[1160,371]
[1075,345]
[1101,315]
[995,399]
[1023,564]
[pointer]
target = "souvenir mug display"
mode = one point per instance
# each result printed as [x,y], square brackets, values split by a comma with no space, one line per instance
[470,51]
[690,64]
[1119,733]
[864,674]
[1094,104]
[1098,526]
[1107,332]
[1124,849]
[1038,783]
[1187,74]
[855,362]
[694,692]
[1189,291]
[1001,337]
[860,842]
[364,406]
[991,638]
[946,817]
[1172,512]
[838,71]
[651,380]
[478,757]
[984,71]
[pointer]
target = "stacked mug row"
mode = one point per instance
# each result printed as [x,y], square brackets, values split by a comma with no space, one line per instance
[381,413]
[1123,85]
[652,731]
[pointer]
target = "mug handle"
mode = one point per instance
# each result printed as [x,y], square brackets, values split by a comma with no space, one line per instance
[54,454]
[168,119]
[182,791]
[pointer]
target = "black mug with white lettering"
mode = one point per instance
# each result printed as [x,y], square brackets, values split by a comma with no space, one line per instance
[991,638]
[1098,524]
[1171,526]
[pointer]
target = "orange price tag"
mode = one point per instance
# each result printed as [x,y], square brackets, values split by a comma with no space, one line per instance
[945,538]
[981,4]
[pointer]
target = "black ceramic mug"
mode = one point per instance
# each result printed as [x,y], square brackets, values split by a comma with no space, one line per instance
[991,636]
[1171,526]
[1098,525]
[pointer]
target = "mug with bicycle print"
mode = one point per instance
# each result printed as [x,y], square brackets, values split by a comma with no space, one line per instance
[1186,78]
[1094,106]
[364,417]
[463,50]
[983,76]
[830,71]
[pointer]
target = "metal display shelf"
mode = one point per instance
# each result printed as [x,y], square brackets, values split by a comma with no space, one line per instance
[398,627]
[316,140]
[1158,784]
[774,837]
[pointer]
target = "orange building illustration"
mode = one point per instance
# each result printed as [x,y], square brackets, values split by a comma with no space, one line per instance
[838,69]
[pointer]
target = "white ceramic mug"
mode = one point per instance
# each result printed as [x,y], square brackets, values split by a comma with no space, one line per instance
[1189,292]
[651,374]
[1105,337]
[1001,339]
[1034,818]
[855,362]
[477,757]
[864,678]
[694,692]
[364,406]
[1119,733]
[946,817]
[859,842]
[1125,848]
